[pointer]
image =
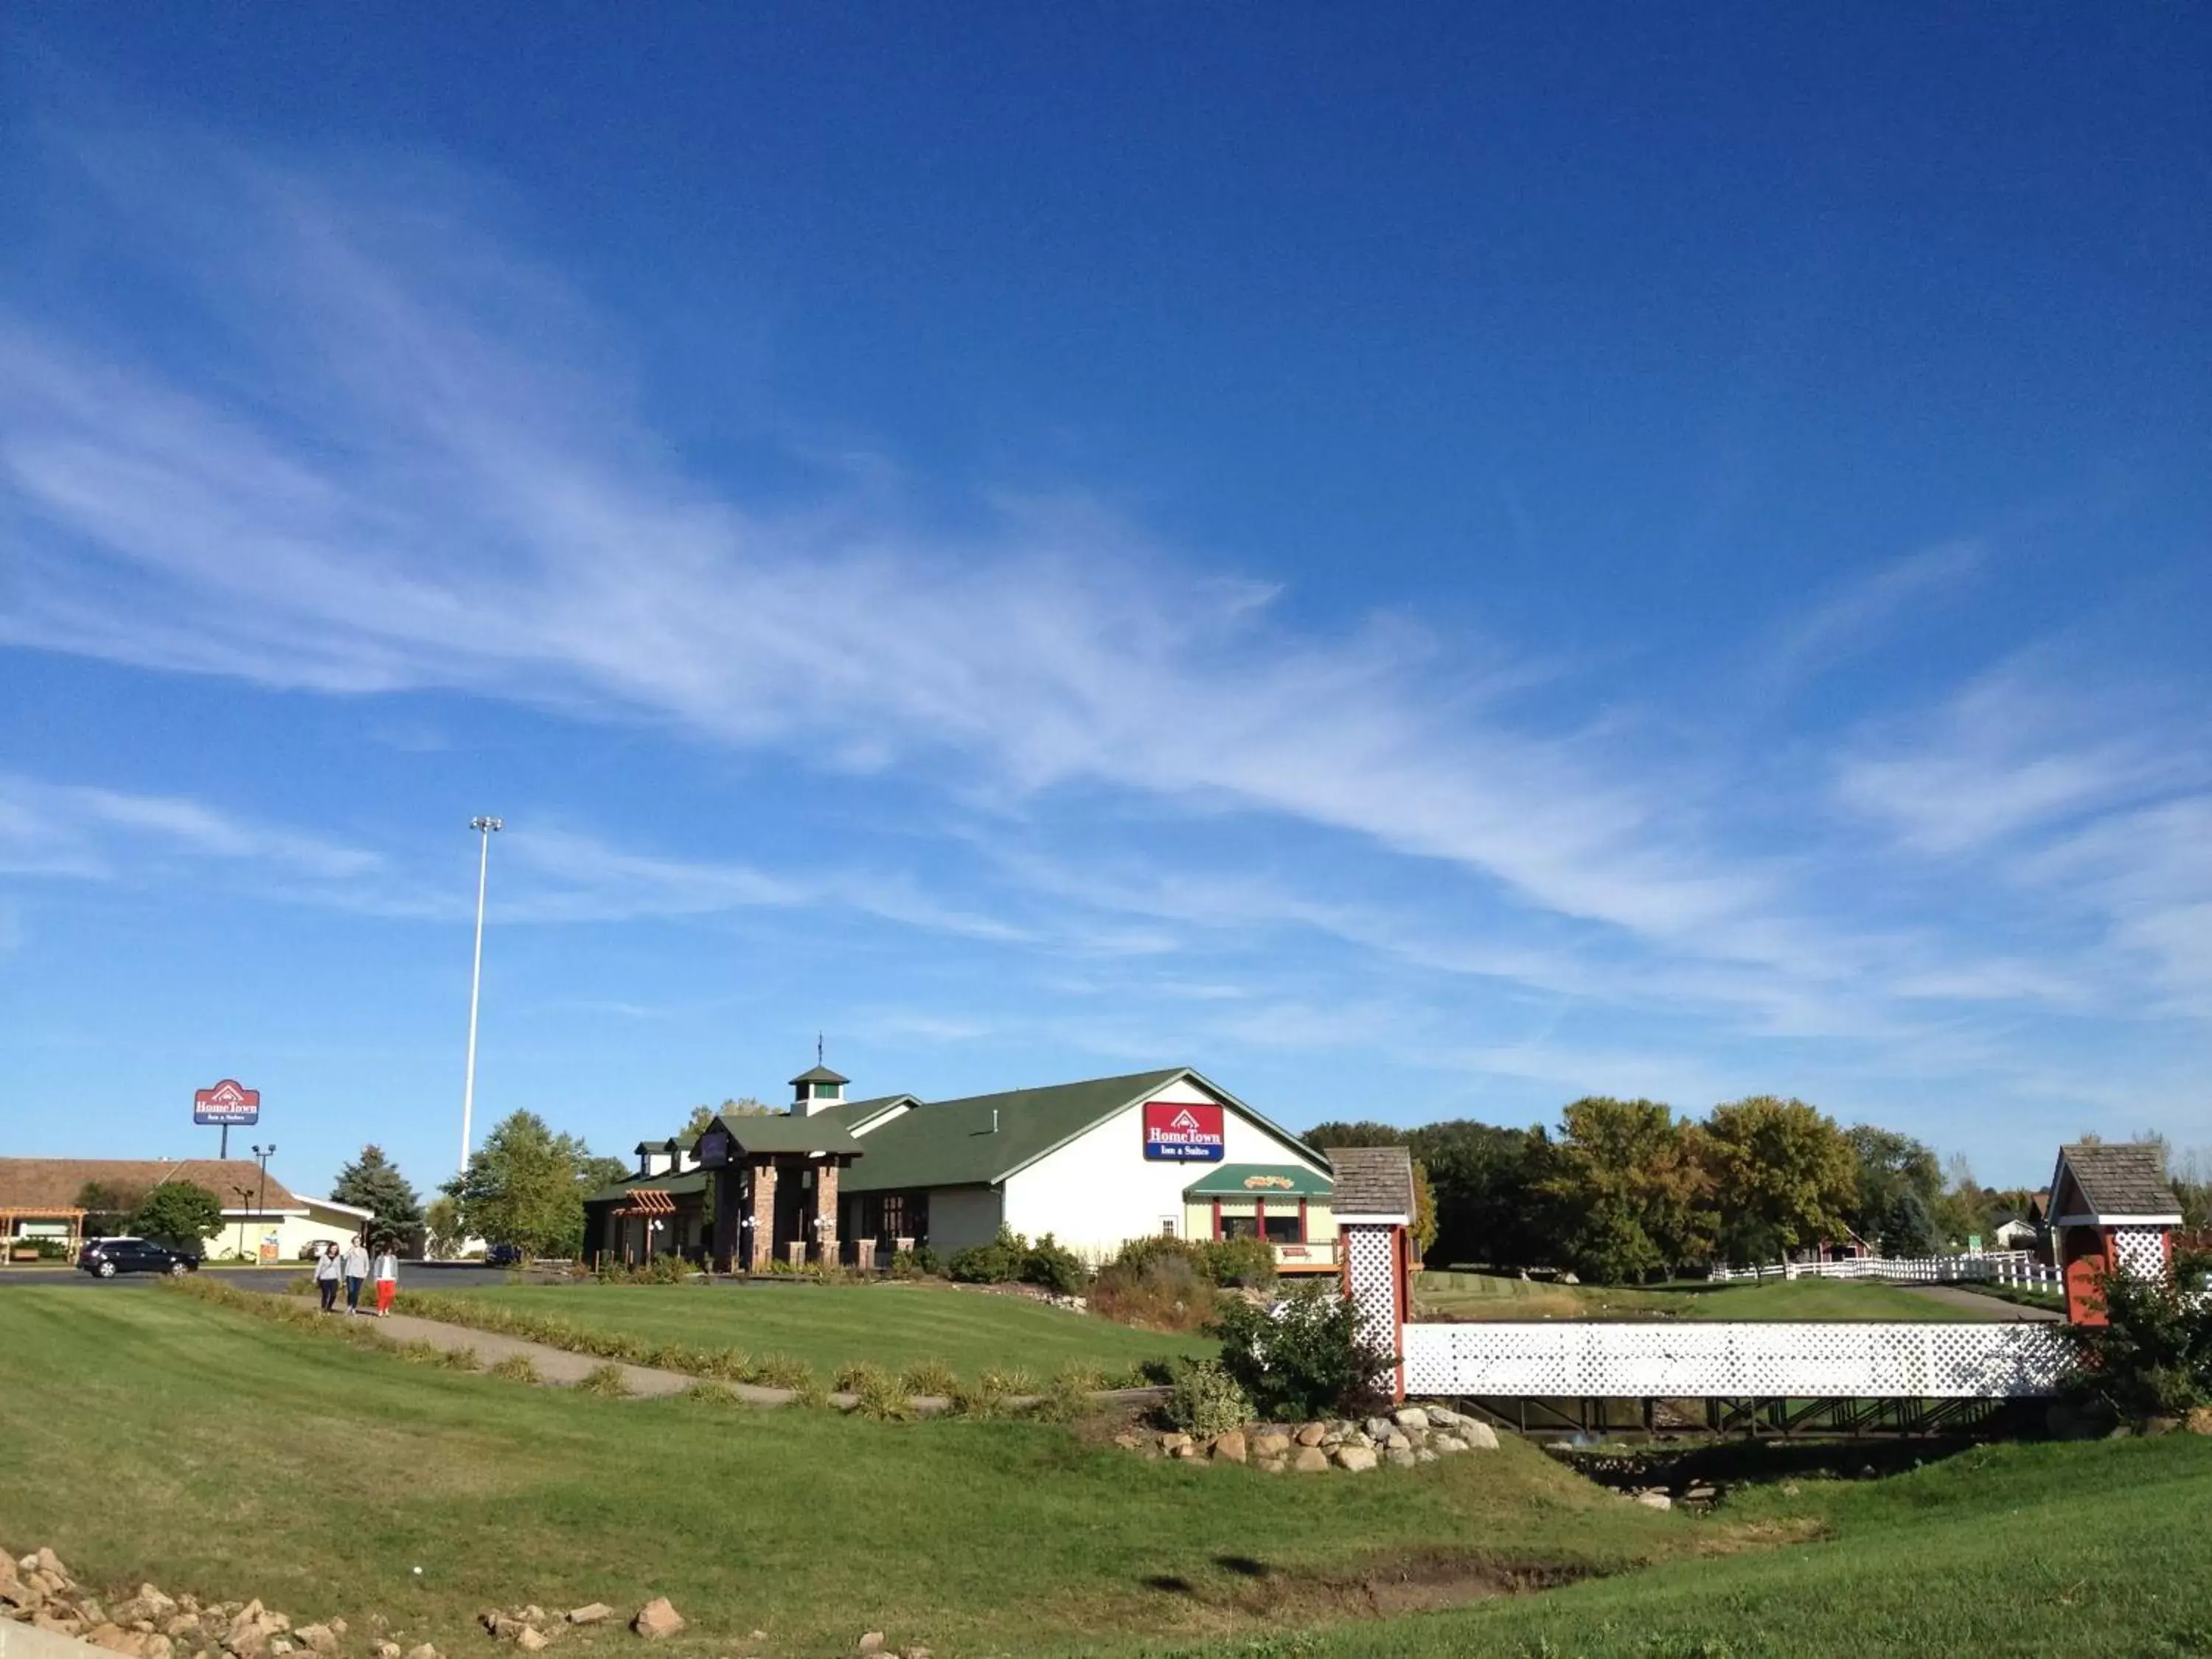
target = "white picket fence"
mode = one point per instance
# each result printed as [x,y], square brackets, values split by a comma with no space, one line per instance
[1986,1267]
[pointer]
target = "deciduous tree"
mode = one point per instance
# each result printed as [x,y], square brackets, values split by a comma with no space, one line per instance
[522,1187]
[1784,1175]
[1631,1189]
[179,1215]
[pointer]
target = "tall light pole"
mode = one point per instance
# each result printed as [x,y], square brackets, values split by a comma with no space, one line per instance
[484,828]
[261,1203]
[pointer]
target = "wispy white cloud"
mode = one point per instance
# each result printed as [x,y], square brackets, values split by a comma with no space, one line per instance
[94,833]
[1860,614]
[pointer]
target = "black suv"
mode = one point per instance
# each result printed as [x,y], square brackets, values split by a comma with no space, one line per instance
[107,1257]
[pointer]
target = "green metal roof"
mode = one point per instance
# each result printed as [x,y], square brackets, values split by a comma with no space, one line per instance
[950,1143]
[675,1186]
[789,1134]
[1260,1180]
[820,1074]
[846,1112]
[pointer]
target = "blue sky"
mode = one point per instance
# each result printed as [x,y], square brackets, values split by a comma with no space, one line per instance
[1427,564]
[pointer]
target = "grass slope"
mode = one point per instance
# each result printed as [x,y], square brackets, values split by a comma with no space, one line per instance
[2096,1548]
[150,1436]
[892,1325]
[1484,1296]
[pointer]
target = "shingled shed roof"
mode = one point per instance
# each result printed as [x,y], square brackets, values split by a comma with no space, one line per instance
[1372,1181]
[2126,1181]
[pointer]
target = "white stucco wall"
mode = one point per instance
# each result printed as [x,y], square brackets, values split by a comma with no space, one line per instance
[294,1232]
[1100,1190]
[961,1216]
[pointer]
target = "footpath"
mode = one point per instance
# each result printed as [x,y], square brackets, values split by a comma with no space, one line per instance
[1975,1303]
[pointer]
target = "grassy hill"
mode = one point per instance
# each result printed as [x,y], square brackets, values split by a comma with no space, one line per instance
[155,1436]
[892,1324]
[2096,1548]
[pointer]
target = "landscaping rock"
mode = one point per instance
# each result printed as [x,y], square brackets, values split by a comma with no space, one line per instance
[1271,1465]
[1357,1459]
[1271,1442]
[2199,1421]
[1230,1447]
[319,1639]
[596,1612]
[1446,1442]
[1424,1455]
[1655,1500]
[1479,1436]
[388,1650]
[1401,1457]
[422,1650]
[530,1639]
[1311,1434]
[655,1619]
[1309,1460]
[871,1643]
[1411,1417]
[45,1560]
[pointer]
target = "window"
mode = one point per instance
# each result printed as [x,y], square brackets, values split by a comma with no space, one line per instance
[1167,1226]
[1244,1226]
[892,1223]
[1285,1229]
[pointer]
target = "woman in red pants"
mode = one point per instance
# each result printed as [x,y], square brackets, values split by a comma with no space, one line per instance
[387,1279]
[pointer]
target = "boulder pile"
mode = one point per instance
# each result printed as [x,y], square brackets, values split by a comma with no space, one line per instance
[1405,1438]
[38,1590]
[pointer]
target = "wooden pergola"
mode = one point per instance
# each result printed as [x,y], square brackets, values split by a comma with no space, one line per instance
[645,1202]
[9,1217]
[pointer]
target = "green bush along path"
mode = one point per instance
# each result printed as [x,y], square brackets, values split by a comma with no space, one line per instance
[1484,1296]
[154,1436]
[2095,1548]
[892,1325]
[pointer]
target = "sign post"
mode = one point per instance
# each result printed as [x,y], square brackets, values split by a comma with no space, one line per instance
[227,1103]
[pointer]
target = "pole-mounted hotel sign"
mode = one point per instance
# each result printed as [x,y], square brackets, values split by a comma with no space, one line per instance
[227,1103]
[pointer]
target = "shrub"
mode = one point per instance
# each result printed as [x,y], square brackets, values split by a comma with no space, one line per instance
[517,1367]
[605,1381]
[731,1365]
[880,1397]
[996,1263]
[782,1370]
[851,1379]
[1237,1262]
[1160,1290]
[919,1262]
[422,1353]
[1206,1399]
[1303,1358]
[811,1394]
[1018,1381]
[1078,1376]
[460,1359]
[932,1376]
[1053,1265]
[712,1394]
[2152,1357]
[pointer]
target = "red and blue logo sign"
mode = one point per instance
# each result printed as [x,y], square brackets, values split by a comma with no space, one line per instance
[1178,1132]
[227,1103]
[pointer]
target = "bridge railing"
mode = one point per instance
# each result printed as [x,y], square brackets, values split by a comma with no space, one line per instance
[1737,1360]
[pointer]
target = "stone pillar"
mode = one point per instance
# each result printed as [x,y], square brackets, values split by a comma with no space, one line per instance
[825,1210]
[797,1252]
[762,1211]
[864,1255]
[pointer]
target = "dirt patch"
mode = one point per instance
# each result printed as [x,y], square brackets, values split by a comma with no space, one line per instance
[1381,1587]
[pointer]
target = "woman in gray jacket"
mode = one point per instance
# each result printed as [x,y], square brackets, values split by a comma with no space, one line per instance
[356,1269]
[327,1275]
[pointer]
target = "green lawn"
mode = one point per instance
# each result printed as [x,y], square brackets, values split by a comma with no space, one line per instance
[892,1325]
[152,1436]
[1486,1296]
[2096,1548]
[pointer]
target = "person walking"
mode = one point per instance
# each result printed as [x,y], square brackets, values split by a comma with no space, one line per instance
[356,1269]
[327,1275]
[387,1279]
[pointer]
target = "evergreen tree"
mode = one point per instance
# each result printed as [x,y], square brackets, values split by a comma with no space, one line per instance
[372,1182]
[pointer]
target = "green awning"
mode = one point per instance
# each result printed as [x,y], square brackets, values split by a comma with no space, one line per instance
[1261,1181]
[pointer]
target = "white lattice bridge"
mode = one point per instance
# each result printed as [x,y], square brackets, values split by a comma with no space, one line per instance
[1833,1360]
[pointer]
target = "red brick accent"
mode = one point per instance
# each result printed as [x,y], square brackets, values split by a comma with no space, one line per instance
[763,1214]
